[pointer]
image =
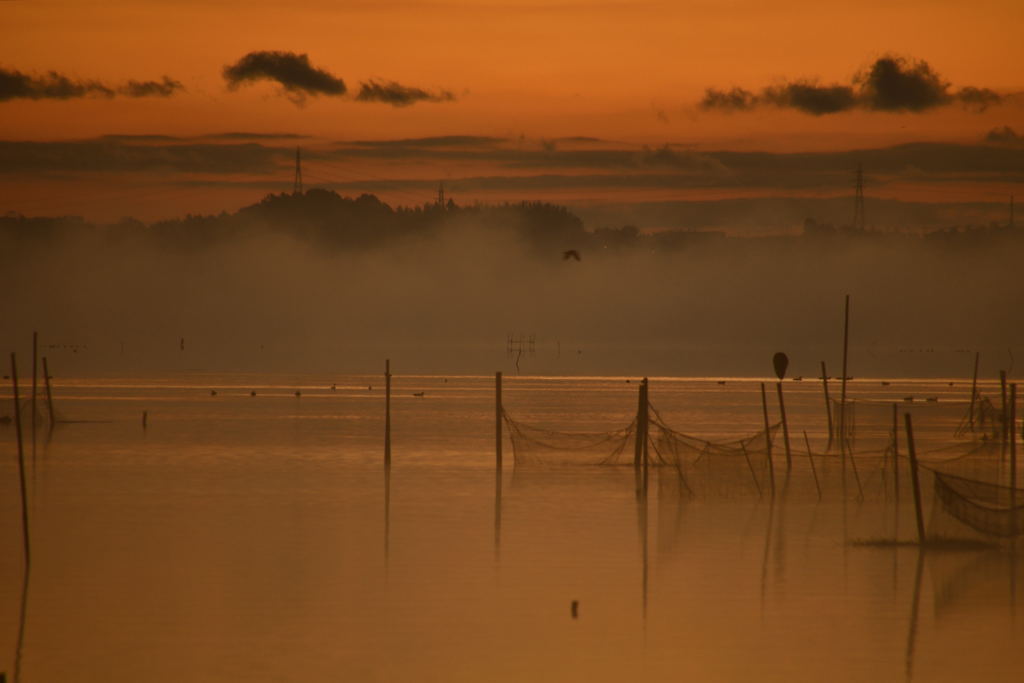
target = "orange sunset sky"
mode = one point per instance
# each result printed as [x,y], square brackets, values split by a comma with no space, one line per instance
[574,101]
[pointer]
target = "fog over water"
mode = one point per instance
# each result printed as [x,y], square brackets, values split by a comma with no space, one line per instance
[446,300]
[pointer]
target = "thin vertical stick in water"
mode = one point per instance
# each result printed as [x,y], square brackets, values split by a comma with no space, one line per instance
[35,384]
[767,438]
[842,385]
[21,465]
[974,390]
[1002,388]
[828,406]
[387,412]
[785,426]
[645,418]
[498,417]
[1013,461]
[49,393]
[914,480]
[814,470]
[896,450]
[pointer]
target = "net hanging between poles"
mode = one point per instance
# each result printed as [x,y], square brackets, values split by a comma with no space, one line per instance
[533,445]
[990,509]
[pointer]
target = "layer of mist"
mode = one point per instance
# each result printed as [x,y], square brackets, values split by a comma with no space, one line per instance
[126,299]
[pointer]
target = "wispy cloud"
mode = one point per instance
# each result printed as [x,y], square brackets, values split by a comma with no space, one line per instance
[890,84]
[398,95]
[53,85]
[290,70]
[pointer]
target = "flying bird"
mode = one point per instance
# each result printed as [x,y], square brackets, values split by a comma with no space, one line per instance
[571,253]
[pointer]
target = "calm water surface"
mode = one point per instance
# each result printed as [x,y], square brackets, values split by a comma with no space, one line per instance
[246,538]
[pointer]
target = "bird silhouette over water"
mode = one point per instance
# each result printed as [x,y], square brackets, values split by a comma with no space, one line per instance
[570,254]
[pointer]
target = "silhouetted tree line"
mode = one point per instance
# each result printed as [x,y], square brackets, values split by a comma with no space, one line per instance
[326,219]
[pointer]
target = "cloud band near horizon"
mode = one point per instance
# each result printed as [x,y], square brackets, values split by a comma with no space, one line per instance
[890,84]
[53,85]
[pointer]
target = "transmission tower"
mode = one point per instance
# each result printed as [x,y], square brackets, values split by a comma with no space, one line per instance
[297,187]
[858,201]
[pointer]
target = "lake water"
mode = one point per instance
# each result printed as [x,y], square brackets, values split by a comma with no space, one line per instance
[252,538]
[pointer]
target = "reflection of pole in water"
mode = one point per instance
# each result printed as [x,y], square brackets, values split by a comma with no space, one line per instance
[21,628]
[767,547]
[641,507]
[387,514]
[914,607]
[767,439]
[498,417]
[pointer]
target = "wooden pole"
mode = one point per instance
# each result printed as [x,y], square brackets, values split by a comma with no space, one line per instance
[145,418]
[35,384]
[785,426]
[499,413]
[913,478]
[49,393]
[645,420]
[1002,388]
[896,449]
[1013,460]
[21,465]
[842,390]
[767,438]
[387,412]
[828,405]
[974,389]
[814,470]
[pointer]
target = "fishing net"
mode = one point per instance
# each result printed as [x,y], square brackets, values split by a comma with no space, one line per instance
[532,445]
[738,465]
[990,509]
[867,425]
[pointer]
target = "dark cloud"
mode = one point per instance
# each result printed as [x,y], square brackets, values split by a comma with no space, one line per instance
[895,84]
[398,95]
[50,86]
[811,98]
[736,99]
[1004,136]
[163,88]
[891,84]
[55,86]
[292,71]
[978,99]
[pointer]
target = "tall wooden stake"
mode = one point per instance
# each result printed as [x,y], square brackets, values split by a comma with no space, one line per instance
[842,390]
[1002,387]
[974,389]
[913,478]
[35,384]
[387,412]
[767,438]
[21,465]
[828,405]
[498,417]
[645,421]
[785,426]
[896,450]
[1013,461]
[814,470]
[49,393]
